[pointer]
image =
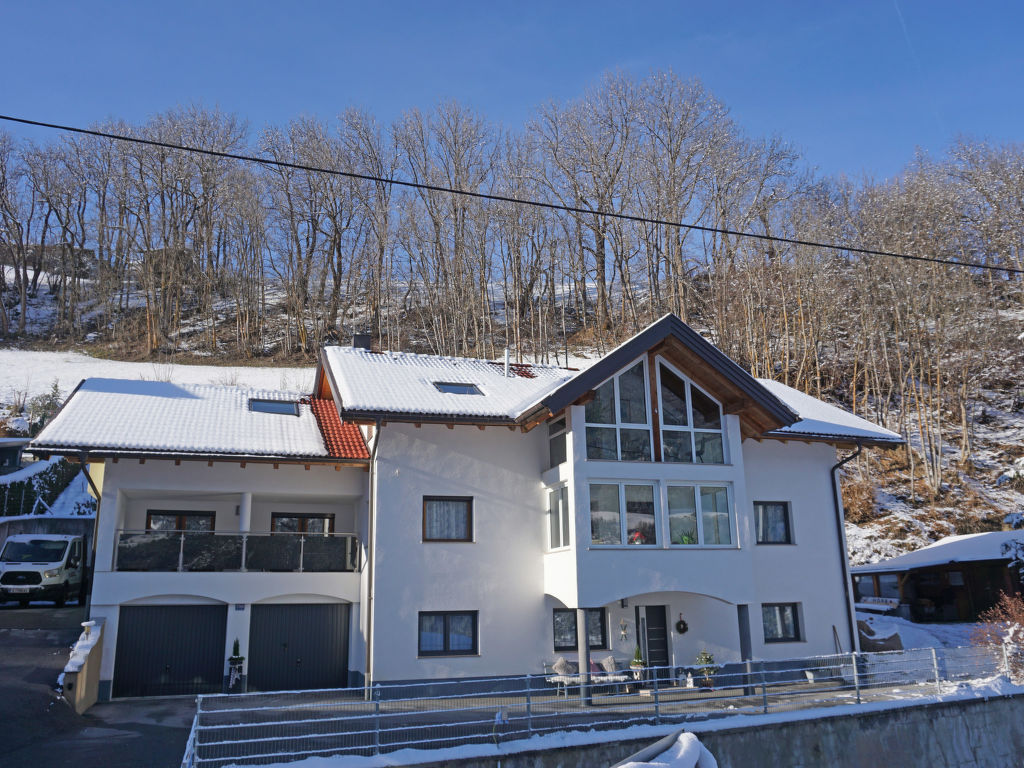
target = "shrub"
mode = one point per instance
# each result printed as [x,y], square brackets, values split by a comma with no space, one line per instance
[859,500]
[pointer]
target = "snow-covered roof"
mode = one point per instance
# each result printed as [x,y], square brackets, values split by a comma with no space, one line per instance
[120,416]
[952,549]
[406,383]
[818,419]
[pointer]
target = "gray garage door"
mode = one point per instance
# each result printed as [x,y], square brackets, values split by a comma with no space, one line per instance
[297,647]
[166,650]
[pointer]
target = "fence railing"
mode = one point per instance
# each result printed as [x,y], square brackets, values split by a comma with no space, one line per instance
[260,728]
[234,551]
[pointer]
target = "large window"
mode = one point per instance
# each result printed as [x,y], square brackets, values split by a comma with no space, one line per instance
[283,522]
[556,441]
[781,622]
[558,517]
[448,633]
[691,421]
[699,515]
[773,525]
[176,520]
[447,518]
[618,420]
[564,620]
[623,513]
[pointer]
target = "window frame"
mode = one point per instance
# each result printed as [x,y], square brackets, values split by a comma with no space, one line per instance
[562,435]
[797,624]
[788,514]
[623,521]
[564,513]
[618,425]
[470,530]
[181,514]
[254,401]
[690,427]
[699,507]
[603,646]
[303,518]
[447,650]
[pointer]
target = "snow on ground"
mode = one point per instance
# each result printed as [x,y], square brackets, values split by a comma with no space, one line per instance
[685,752]
[31,373]
[912,635]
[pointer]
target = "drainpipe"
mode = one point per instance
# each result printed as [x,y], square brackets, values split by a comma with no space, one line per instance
[371,560]
[83,459]
[841,540]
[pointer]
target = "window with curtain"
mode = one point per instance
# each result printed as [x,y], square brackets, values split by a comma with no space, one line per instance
[691,421]
[558,517]
[448,633]
[618,422]
[447,518]
[772,522]
[564,620]
[781,622]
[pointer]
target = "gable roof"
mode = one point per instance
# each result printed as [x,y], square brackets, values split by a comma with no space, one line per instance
[951,549]
[820,421]
[402,385]
[119,417]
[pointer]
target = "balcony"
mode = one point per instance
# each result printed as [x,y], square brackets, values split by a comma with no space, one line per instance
[168,551]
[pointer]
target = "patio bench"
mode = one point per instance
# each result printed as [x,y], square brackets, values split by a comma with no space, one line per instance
[569,675]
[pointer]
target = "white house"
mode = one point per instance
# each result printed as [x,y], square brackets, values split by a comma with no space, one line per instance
[422,517]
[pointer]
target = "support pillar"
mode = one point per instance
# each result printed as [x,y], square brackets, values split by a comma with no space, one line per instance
[583,653]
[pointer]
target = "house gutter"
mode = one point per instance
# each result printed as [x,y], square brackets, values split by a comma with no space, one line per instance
[371,560]
[841,541]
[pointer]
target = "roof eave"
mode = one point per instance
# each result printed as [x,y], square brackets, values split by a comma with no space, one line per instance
[100,452]
[840,440]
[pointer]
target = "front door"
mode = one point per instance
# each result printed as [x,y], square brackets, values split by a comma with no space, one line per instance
[653,623]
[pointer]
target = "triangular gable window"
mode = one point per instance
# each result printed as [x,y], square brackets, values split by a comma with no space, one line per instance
[691,421]
[618,418]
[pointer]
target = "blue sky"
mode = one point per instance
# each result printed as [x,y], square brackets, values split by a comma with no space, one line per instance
[848,83]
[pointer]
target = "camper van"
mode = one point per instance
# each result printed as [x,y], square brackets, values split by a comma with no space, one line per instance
[41,566]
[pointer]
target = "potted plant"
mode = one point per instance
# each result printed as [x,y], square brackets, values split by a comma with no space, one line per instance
[637,664]
[236,665]
[707,668]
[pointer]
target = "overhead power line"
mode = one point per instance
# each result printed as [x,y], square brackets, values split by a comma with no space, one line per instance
[506,199]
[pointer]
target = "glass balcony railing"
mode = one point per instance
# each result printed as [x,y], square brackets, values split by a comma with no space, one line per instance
[233,551]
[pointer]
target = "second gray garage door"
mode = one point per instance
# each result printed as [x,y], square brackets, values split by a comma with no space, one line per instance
[297,647]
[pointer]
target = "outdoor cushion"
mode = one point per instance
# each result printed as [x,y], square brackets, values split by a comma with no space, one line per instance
[609,665]
[561,667]
[594,669]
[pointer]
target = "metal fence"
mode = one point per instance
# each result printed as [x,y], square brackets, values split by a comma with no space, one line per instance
[261,728]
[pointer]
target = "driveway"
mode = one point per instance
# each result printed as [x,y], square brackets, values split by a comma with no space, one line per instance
[38,729]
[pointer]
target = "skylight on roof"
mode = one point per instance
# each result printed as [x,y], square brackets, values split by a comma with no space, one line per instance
[283,407]
[457,388]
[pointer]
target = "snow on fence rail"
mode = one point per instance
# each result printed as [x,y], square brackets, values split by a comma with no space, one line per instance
[261,728]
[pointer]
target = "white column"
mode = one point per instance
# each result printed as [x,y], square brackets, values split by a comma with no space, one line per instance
[245,513]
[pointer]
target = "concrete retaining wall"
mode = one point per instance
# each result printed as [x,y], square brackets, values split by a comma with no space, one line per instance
[964,734]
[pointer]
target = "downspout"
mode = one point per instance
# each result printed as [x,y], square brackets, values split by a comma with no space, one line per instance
[841,541]
[83,459]
[371,559]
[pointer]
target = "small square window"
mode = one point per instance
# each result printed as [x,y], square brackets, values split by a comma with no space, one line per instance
[781,622]
[447,518]
[773,525]
[448,633]
[283,407]
[457,388]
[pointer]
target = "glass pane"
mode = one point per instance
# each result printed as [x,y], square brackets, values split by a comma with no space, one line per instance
[211,553]
[676,446]
[636,444]
[198,522]
[564,502]
[163,522]
[554,427]
[674,411]
[556,450]
[682,515]
[706,413]
[554,521]
[709,447]
[714,505]
[595,628]
[864,586]
[601,443]
[272,553]
[431,632]
[604,515]
[446,519]
[285,524]
[633,396]
[147,551]
[779,622]
[601,410]
[460,632]
[328,553]
[565,629]
[772,523]
[889,585]
[318,525]
[640,527]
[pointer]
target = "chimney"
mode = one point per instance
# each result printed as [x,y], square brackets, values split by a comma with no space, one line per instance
[361,341]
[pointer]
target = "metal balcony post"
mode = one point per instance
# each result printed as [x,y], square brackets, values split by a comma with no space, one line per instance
[657,698]
[764,689]
[302,550]
[245,544]
[935,669]
[117,546]
[529,707]
[181,552]
[856,675]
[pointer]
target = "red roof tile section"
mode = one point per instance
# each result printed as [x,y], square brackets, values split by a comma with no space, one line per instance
[343,441]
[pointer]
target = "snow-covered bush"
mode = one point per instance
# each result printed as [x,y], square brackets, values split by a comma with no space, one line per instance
[33,489]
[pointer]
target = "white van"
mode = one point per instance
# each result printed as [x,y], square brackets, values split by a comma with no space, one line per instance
[42,566]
